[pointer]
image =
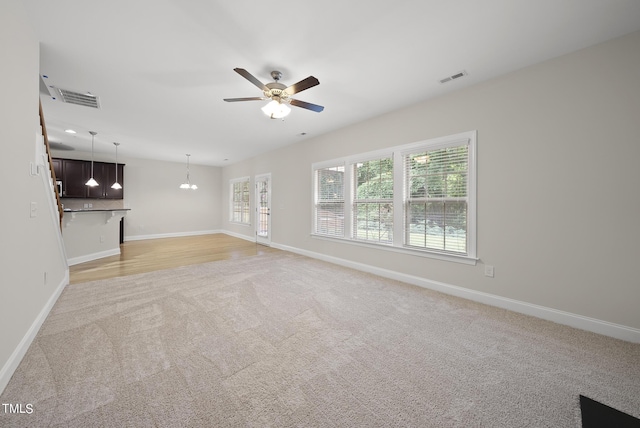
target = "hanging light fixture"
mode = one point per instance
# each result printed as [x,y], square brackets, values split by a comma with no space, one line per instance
[116,185]
[276,110]
[92,182]
[187,184]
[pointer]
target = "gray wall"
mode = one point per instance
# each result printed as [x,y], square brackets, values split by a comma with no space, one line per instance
[557,183]
[32,263]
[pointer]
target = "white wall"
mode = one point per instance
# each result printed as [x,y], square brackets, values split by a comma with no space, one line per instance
[558,179]
[159,208]
[32,265]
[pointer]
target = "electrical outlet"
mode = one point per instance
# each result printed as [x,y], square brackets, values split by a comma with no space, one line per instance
[488,271]
[101,238]
[45,278]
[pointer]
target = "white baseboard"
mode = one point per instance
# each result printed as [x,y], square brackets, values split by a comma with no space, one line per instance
[16,357]
[606,328]
[170,235]
[238,235]
[93,256]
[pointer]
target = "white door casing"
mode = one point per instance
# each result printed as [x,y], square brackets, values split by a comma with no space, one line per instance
[263,209]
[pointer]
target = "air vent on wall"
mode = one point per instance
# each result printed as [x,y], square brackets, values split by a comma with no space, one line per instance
[453,77]
[78,98]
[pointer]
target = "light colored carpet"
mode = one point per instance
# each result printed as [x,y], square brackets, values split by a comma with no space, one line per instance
[282,340]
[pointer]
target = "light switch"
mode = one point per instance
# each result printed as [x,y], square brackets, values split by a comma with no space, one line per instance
[34,209]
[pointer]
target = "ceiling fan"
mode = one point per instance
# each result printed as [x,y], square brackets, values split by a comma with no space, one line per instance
[279,94]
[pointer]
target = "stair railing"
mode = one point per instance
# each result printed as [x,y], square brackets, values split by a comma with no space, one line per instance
[54,188]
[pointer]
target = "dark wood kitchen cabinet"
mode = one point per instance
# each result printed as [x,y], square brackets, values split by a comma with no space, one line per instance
[57,168]
[75,174]
[105,174]
[109,170]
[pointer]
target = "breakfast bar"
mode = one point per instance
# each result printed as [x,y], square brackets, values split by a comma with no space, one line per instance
[91,234]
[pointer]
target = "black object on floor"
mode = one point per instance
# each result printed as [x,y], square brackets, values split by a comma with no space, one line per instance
[598,415]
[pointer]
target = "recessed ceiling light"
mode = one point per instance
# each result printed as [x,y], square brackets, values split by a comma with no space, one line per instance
[69,131]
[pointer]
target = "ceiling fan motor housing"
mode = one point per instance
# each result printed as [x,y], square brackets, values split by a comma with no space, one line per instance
[276,91]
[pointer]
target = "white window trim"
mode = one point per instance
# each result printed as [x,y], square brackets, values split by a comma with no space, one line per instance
[469,138]
[314,183]
[231,183]
[370,156]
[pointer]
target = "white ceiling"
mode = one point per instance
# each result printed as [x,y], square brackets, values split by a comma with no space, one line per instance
[162,67]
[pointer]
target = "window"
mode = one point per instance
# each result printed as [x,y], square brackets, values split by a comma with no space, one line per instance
[240,202]
[436,199]
[329,201]
[417,198]
[373,200]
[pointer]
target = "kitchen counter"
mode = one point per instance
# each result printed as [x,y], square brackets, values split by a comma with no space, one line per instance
[92,233]
[109,214]
[84,210]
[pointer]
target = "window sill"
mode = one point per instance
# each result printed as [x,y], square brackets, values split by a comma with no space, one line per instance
[403,250]
[237,223]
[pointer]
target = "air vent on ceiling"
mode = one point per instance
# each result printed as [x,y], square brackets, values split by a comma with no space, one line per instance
[78,98]
[453,77]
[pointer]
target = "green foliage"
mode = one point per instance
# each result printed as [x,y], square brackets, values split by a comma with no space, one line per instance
[374,179]
[438,173]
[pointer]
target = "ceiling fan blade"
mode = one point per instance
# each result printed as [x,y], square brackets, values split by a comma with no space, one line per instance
[233,100]
[307,83]
[244,73]
[308,106]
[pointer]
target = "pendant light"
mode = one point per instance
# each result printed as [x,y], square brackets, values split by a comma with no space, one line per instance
[92,182]
[116,185]
[187,184]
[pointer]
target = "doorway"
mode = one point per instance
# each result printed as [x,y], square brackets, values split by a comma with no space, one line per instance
[263,209]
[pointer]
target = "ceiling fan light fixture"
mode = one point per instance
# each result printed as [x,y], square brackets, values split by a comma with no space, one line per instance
[276,110]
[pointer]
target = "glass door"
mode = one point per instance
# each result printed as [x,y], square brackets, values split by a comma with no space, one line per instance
[263,209]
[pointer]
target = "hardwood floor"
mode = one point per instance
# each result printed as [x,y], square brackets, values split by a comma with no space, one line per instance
[156,254]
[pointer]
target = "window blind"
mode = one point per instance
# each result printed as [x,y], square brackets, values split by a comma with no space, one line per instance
[373,200]
[436,199]
[329,204]
[240,203]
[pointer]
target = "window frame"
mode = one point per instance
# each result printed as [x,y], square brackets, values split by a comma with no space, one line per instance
[246,205]
[317,200]
[379,201]
[398,154]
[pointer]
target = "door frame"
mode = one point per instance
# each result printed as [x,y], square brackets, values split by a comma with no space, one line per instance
[260,221]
